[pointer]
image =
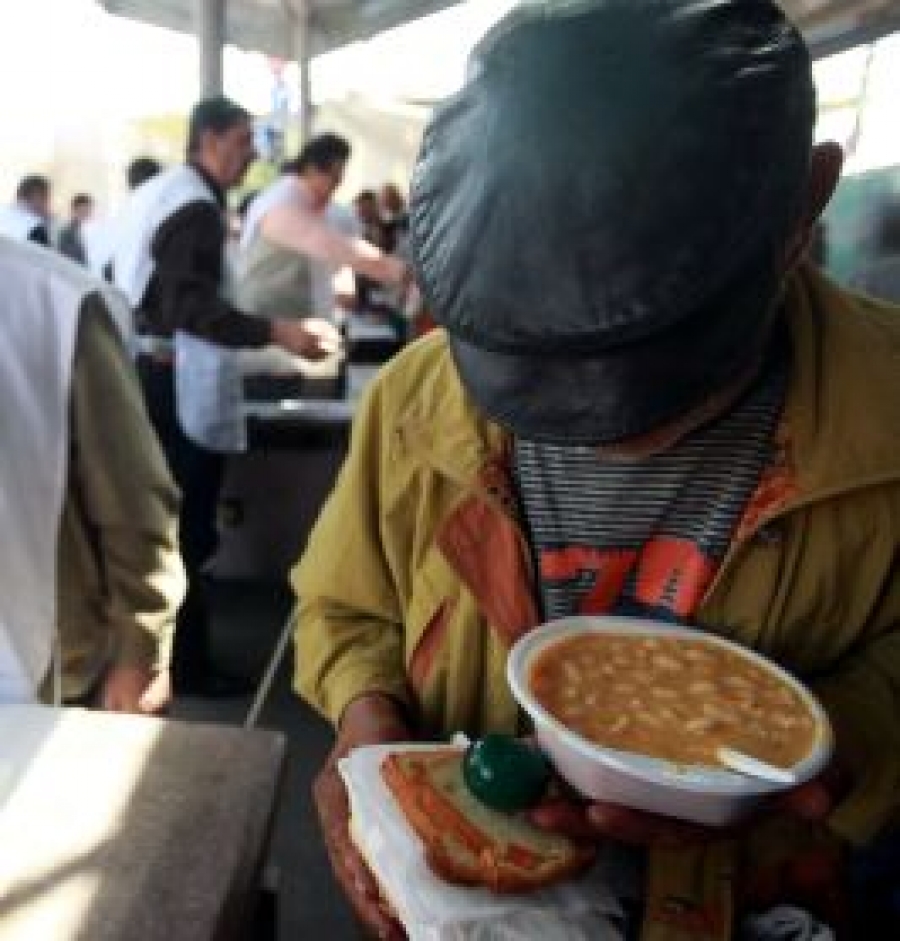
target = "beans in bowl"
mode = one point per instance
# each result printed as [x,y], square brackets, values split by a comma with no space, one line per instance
[676,699]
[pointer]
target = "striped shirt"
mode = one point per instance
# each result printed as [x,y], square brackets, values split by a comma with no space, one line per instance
[645,537]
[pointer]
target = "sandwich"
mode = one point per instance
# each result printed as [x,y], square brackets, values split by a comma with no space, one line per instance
[468,843]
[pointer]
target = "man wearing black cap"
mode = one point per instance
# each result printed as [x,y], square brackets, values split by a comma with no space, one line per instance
[644,401]
[169,260]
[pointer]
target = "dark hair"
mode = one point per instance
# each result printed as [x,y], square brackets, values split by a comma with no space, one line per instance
[321,152]
[81,201]
[392,191]
[218,115]
[140,170]
[366,196]
[887,229]
[32,186]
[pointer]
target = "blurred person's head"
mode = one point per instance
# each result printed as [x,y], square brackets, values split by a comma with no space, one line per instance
[81,207]
[220,140]
[321,163]
[140,170]
[632,296]
[33,191]
[366,206]
[391,199]
[887,229]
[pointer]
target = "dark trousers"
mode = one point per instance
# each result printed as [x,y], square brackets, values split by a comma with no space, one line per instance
[198,473]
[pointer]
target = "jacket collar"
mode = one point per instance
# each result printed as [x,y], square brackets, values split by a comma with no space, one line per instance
[213,184]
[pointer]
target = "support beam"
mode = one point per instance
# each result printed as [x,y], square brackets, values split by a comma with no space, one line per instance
[303,54]
[826,42]
[209,18]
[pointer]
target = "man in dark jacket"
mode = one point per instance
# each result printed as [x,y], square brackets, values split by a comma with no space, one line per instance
[169,260]
[71,241]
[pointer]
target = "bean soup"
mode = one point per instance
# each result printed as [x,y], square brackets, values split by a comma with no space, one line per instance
[672,698]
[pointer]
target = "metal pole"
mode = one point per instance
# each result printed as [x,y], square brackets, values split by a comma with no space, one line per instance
[265,684]
[302,53]
[210,25]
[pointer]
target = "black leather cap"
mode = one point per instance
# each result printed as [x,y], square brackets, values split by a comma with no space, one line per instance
[597,216]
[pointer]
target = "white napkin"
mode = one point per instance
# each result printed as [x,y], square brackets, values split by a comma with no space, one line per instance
[433,910]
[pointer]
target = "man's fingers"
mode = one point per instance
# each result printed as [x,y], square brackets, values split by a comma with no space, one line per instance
[562,817]
[115,700]
[157,695]
[609,821]
[311,339]
[324,338]
[367,904]
[368,719]
[350,869]
[816,799]
[362,890]
[638,828]
[812,801]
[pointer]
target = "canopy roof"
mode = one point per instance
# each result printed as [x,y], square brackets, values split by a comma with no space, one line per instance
[265,25]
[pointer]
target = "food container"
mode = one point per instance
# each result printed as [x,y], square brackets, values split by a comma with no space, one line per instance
[705,795]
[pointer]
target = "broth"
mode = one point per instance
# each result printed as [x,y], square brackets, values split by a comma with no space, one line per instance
[672,698]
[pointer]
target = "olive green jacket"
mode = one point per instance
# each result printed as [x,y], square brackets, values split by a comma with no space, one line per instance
[417,577]
[120,578]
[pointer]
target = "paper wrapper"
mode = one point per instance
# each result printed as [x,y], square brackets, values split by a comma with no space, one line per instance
[586,909]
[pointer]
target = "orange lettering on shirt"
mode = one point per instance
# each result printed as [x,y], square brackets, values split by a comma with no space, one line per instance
[609,567]
[673,573]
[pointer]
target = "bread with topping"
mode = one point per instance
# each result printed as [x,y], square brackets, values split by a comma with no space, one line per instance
[468,843]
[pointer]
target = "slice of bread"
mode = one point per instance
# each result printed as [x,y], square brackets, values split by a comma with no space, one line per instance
[466,842]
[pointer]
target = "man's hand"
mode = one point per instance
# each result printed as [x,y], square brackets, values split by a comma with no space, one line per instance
[397,272]
[312,339]
[135,689]
[814,879]
[597,821]
[369,720]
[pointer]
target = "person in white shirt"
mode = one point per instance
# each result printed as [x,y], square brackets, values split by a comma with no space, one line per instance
[28,218]
[87,505]
[290,237]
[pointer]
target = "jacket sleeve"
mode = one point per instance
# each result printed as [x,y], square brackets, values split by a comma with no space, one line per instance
[863,701]
[119,541]
[189,271]
[862,694]
[349,636]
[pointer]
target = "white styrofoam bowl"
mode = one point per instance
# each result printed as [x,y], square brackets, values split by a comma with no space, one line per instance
[704,795]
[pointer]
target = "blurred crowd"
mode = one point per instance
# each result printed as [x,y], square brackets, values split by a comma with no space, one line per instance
[378,217]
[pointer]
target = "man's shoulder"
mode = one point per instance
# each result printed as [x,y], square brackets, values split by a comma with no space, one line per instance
[860,329]
[179,195]
[22,263]
[848,387]
[422,385]
[422,377]
[198,218]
